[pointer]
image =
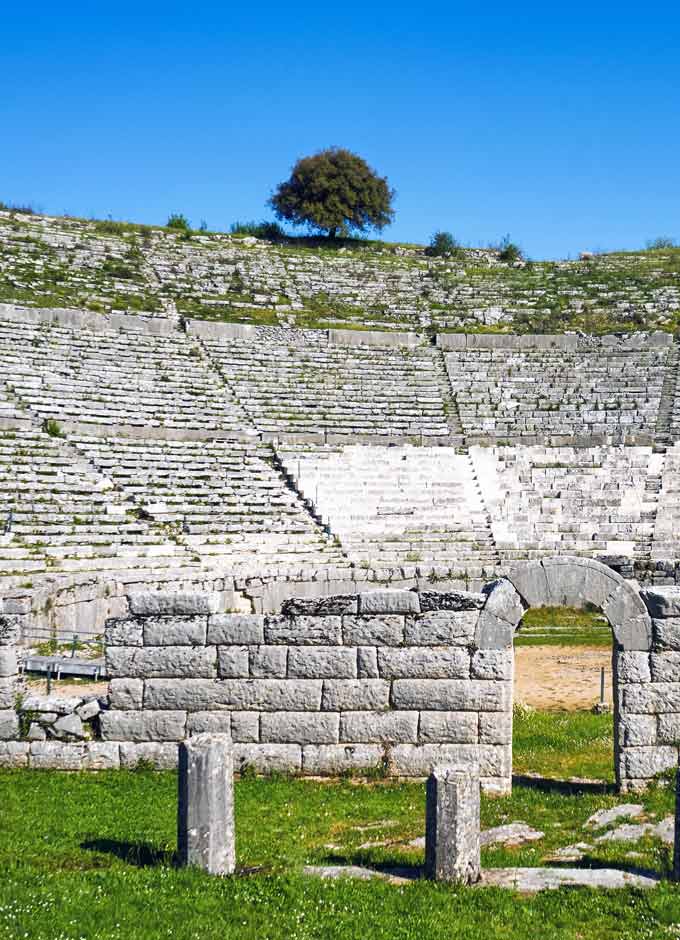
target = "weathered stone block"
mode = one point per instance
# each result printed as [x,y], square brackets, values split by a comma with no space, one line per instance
[638,730]
[499,617]
[452,826]
[101,755]
[418,760]
[333,759]
[269,662]
[645,762]
[448,727]
[143,725]
[8,662]
[206,834]
[320,606]
[668,730]
[657,698]
[387,630]
[355,694]
[389,602]
[630,620]
[320,662]
[633,666]
[450,600]
[67,727]
[126,693]
[662,601]
[379,727]
[13,754]
[666,634]
[10,630]
[54,755]
[423,662]
[88,710]
[299,728]
[175,631]
[495,728]
[245,727]
[442,628]
[238,629]
[492,664]
[125,632]
[665,667]
[169,604]
[233,662]
[451,695]
[268,758]
[9,724]
[160,662]
[303,631]
[367,662]
[218,722]
[160,756]
[8,692]
[239,694]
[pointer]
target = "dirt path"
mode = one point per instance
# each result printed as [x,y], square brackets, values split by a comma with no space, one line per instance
[561,676]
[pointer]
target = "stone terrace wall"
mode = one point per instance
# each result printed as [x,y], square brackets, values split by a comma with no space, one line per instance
[384,679]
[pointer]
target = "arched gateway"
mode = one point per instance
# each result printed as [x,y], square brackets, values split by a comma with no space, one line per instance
[645,657]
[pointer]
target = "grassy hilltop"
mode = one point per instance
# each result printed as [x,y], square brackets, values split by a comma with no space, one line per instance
[107,265]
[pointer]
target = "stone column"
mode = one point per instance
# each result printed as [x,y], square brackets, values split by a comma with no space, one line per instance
[676,840]
[205,812]
[452,825]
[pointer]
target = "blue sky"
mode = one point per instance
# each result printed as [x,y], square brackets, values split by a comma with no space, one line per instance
[560,127]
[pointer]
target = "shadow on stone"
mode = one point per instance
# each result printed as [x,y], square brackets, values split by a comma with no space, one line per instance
[566,787]
[139,854]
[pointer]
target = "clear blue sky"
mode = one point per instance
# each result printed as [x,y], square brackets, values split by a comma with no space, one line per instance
[559,124]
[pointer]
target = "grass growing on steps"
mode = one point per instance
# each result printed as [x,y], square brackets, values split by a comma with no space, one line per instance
[92,856]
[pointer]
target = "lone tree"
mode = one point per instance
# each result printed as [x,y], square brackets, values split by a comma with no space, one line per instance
[334,191]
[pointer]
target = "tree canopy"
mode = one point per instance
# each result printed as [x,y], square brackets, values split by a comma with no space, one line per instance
[334,191]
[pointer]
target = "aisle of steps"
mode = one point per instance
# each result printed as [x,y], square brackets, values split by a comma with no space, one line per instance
[400,505]
[668,424]
[572,501]
[666,538]
[226,501]
[57,514]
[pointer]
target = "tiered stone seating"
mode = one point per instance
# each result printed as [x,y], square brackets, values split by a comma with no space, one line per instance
[570,501]
[532,394]
[225,501]
[299,384]
[57,514]
[398,505]
[666,541]
[149,383]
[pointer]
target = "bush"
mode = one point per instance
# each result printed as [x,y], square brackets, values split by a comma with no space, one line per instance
[655,244]
[269,231]
[178,221]
[14,207]
[443,244]
[509,251]
[52,427]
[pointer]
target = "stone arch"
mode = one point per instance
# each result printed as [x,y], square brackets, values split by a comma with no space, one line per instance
[564,581]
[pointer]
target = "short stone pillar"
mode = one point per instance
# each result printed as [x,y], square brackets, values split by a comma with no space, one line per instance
[205,810]
[676,839]
[452,825]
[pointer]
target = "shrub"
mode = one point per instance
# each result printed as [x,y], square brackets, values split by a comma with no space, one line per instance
[179,222]
[655,244]
[509,251]
[443,244]
[269,231]
[52,427]
[334,191]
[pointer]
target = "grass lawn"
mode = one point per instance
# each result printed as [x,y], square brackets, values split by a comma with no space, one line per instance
[563,626]
[92,856]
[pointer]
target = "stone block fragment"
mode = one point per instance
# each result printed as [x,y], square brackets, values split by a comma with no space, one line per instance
[334,759]
[10,630]
[389,727]
[450,600]
[238,629]
[418,760]
[646,762]
[666,634]
[206,835]
[442,727]
[665,667]
[171,604]
[140,726]
[245,727]
[268,758]
[123,632]
[451,695]
[8,662]
[492,664]
[668,730]
[126,693]
[442,628]
[175,631]
[161,756]
[233,662]
[653,699]
[101,755]
[452,826]
[387,630]
[268,662]
[662,601]
[495,728]
[423,663]
[321,662]
[299,728]
[367,662]
[303,631]
[389,602]
[13,754]
[161,661]
[8,692]
[633,666]
[68,726]
[55,755]
[9,724]
[355,694]
[88,710]
[638,730]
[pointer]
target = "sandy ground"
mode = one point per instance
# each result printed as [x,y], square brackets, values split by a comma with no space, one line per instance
[545,677]
[562,676]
